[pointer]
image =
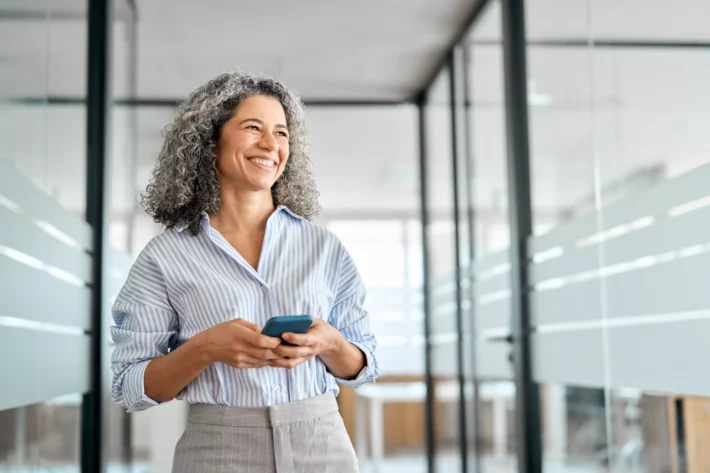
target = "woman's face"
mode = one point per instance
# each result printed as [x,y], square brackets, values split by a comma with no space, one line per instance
[253,147]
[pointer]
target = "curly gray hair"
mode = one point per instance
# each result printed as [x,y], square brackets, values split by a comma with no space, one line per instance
[184,181]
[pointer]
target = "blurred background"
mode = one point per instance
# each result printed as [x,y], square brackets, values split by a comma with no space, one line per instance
[524,186]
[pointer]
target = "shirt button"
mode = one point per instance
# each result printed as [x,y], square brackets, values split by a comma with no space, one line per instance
[277,388]
[264,288]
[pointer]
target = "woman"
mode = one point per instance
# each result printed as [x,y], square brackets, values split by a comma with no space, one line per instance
[234,188]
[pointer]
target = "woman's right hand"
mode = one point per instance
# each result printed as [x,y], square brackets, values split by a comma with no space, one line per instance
[240,344]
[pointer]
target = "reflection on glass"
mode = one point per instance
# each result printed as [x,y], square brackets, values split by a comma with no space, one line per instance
[573,424]
[636,432]
[496,410]
[42,435]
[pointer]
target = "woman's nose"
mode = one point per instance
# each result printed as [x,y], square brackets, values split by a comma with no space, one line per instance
[269,142]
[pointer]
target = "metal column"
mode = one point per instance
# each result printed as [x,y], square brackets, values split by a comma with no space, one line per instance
[92,455]
[527,395]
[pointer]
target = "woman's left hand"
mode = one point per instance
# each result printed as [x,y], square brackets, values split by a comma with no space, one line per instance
[321,339]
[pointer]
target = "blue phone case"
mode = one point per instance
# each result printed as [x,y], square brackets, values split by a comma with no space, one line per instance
[277,326]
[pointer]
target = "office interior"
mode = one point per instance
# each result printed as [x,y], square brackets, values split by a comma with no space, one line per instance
[523,184]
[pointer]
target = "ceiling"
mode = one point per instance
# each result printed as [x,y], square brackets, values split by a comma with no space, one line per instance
[367,50]
[337,50]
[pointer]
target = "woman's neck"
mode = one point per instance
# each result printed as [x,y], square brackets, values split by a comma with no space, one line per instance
[243,212]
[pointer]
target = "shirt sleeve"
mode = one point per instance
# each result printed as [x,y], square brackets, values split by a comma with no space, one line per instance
[146,326]
[353,321]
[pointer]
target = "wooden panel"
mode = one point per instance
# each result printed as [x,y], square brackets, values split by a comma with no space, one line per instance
[346,404]
[656,432]
[404,422]
[696,414]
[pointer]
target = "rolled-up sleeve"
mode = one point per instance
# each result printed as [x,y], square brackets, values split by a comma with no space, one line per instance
[146,327]
[353,321]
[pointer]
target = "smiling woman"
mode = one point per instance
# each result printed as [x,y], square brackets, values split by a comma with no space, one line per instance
[186,181]
[252,152]
[234,188]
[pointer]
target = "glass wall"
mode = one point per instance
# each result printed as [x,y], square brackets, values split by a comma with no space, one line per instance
[43,52]
[45,243]
[442,267]
[618,176]
[617,258]
[563,167]
[122,198]
[382,231]
[490,263]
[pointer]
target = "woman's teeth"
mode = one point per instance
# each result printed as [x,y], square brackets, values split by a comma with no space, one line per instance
[263,162]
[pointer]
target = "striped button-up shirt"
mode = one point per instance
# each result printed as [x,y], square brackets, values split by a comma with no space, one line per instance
[181,285]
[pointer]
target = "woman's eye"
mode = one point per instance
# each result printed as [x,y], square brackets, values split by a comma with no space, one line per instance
[252,127]
[284,134]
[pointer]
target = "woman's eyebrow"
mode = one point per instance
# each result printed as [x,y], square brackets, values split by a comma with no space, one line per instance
[278,125]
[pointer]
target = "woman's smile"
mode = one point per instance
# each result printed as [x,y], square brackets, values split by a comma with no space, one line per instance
[264,163]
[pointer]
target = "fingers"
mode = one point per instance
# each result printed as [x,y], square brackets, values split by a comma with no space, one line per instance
[247,324]
[289,363]
[285,351]
[300,339]
[245,360]
[261,341]
[263,354]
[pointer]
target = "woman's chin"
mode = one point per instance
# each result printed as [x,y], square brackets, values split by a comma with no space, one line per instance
[261,185]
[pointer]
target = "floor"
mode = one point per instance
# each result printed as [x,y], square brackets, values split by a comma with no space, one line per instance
[451,464]
[401,464]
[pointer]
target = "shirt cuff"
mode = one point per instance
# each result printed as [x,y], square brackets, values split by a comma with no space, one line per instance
[138,401]
[369,372]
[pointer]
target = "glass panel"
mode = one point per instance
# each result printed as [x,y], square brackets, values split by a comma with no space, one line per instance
[42,109]
[490,262]
[651,116]
[442,277]
[620,177]
[465,248]
[42,437]
[24,89]
[43,52]
[122,203]
[381,249]
[563,166]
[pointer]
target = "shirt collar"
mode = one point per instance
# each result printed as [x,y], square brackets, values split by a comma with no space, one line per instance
[205,219]
[282,207]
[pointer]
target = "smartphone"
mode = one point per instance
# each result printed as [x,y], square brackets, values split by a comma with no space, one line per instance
[277,326]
